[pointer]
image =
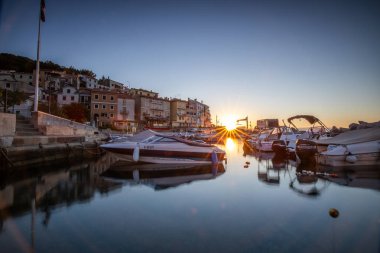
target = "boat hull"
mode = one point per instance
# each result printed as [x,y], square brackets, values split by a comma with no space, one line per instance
[342,161]
[265,146]
[165,156]
[306,150]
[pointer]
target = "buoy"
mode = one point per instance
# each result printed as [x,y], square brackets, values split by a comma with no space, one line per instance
[214,158]
[351,158]
[334,213]
[136,153]
[246,166]
[247,162]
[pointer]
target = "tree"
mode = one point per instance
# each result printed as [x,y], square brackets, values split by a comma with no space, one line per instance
[10,98]
[76,112]
[54,108]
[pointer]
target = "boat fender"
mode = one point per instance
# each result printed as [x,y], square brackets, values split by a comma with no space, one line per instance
[136,175]
[214,158]
[351,158]
[136,153]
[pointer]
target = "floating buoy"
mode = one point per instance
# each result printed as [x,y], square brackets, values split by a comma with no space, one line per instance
[351,158]
[247,162]
[334,213]
[246,166]
[136,153]
[214,158]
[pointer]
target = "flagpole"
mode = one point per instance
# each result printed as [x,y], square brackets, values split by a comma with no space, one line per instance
[37,65]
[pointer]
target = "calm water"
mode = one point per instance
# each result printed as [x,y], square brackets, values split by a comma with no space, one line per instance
[266,206]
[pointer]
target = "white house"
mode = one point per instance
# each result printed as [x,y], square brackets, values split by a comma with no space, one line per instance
[67,96]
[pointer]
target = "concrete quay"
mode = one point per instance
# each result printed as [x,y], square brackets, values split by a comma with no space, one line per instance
[48,140]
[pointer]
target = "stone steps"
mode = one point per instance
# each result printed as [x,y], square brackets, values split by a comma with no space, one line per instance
[25,128]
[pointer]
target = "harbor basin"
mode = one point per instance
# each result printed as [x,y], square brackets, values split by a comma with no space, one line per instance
[255,202]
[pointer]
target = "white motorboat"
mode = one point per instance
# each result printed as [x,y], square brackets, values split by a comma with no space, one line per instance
[283,135]
[357,147]
[257,138]
[152,147]
[305,145]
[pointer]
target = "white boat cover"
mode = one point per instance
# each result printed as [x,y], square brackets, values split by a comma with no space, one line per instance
[354,136]
[142,136]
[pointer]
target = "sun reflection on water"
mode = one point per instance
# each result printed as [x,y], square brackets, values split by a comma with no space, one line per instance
[230,144]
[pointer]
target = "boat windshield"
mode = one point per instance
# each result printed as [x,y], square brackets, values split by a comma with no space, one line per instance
[152,139]
[159,139]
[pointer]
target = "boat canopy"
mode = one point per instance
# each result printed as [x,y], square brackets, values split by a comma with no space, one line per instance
[354,136]
[310,118]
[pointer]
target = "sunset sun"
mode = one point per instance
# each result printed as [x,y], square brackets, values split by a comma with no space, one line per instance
[229,122]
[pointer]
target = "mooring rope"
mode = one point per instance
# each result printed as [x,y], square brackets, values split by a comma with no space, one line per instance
[4,154]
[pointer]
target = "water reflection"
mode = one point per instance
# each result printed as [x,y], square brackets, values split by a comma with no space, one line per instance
[75,183]
[198,204]
[79,183]
[309,179]
[160,176]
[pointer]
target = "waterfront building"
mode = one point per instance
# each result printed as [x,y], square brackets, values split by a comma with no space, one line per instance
[125,116]
[142,92]
[178,113]
[152,112]
[13,81]
[103,107]
[267,123]
[107,83]
[85,98]
[191,113]
[87,82]
[67,95]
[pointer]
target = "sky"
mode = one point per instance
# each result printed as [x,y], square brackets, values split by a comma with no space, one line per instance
[261,59]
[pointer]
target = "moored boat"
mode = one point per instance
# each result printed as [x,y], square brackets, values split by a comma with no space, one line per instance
[357,147]
[305,147]
[152,147]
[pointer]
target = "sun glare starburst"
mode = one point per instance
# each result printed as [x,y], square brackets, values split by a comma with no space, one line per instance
[230,122]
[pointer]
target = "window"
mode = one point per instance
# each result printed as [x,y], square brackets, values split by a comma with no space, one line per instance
[111,115]
[20,76]
[8,85]
[96,96]
[104,106]
[111,107]
[68,91]
[30,83]
[64,98]
[72,98]
[96,106]
[104,97]
[30,77]
[111,98]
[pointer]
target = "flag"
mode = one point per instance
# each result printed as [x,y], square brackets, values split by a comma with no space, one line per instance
[42,13]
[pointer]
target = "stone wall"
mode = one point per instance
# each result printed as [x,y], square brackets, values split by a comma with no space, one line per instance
[7,129]
[51,125]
